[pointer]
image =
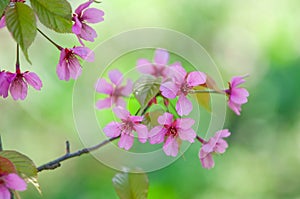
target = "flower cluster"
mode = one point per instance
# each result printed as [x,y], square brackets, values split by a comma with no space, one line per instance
[172,128]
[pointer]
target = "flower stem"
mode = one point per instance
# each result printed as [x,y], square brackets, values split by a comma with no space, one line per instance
[206,91]
[201,140]
[18,71]
[55,44]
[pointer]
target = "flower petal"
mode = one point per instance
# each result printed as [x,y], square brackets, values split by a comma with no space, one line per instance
[83,6]
[157,135]
[161,57]
[2,22]
[115,76]
[104,103]
[171,147]
[77,26]
[187,134]
[88,33]
[165,119]
[183,105]
[145,67]
[142,132]
[84,52]
[121,113]
[127,89]
[18,89]
[235,107]
[184,123]
[4,192]
[196,78]
[237,80]
[13,181]
[33,80]
[112,130]
[120,102]
[102,86]
[206,160]
[62,71]
[74,67]
[169,89]
[177,72]
[126,141]
[93,15]
[239,95]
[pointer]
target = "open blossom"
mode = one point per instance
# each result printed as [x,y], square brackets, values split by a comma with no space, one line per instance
[216,144]
[236,96]
[84,15]
[180,85]
[11,182]
[69,66]
[17,84]
[115,91]
[171,131]
[126,127]
[158,68]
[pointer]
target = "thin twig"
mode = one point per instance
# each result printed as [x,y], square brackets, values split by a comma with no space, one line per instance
[57,162]
[206,91]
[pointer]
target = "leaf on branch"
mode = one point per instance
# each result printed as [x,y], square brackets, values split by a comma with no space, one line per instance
[3,5]
[6,166]
[54,14]
[131,185]
[24,166]
[203,98]
[21,22]
[145,88]
[210,83]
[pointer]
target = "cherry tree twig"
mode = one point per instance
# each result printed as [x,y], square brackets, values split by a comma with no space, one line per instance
[57,162]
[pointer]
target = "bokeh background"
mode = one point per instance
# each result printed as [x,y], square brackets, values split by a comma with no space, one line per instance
[260,38]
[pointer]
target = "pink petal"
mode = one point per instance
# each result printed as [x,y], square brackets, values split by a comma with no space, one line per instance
[136,119]
[88,33]
[62,71]
[171,147]
[74,67]
[165,119]
[221,146]
[169,89]
[177,72]
[183,105]
[84,52]
[83,6]
[145,67]
[142,132]
[104,103]
[77,26]
[13,181]
[222,133]
[93,15]
[121,113]
[102,86]
[126,141]
[112,130]
[196,78]
[187,134]
[115,76]
[239,95]
[207,161]
[235,107]
[5,80]
[237,80]
[209,147]
[127,89]
[184,123]
[161,57]
[33,80]
[4,192]
[120,102]
[62,57]
[18,89]
[157,135]
[2,22]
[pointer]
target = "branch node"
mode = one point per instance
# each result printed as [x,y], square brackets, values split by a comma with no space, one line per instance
[67,147]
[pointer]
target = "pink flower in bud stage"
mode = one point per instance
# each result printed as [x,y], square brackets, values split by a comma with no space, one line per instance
[11,182]
[17,83]
[115,91]
[69,66]
[236,96]
[125,128]
[180,85]
[171,131]
[158,68]
[84,15]
[216,144]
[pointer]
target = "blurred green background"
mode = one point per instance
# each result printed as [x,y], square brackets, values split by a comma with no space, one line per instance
[260,38]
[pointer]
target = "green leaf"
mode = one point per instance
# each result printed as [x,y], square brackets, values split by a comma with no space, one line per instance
[21,22]
[54,14]
[203,98]
[145,89]
[3,5]
[6,166]
[24,166]
[131,185]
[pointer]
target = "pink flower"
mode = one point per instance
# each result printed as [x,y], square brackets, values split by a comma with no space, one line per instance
[158,68]
[125,128]
[11,182]
[17,83]
[83,16]
[2,22]
[237,96]
[216,144]
[182,83]
[69,65]
[115,91]
[171,131]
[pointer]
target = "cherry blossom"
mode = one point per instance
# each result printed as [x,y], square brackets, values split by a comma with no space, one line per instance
[236,96]
[115,91]
[216,144]
[69,66]
[180,85]
[126,127]
[84,15]
[171,131]
[11,182]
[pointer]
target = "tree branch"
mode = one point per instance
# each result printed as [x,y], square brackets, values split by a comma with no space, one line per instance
[57,162]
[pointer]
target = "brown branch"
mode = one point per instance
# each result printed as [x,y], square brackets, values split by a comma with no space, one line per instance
[57,162]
